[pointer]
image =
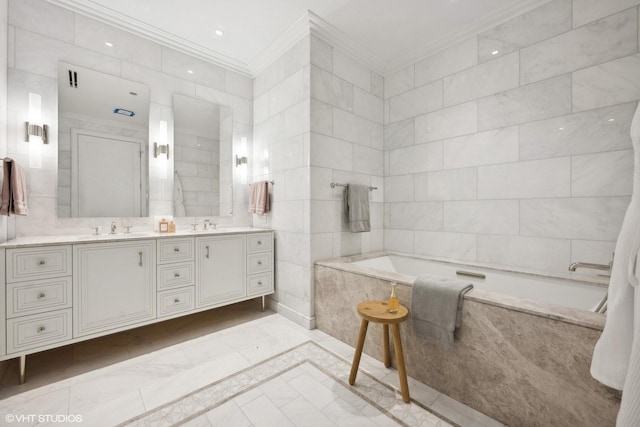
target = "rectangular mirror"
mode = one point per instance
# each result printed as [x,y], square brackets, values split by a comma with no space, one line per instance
[103,144]
[203,136]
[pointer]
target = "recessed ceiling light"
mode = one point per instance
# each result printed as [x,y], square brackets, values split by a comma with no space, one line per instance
[219,32]
[560,128]
[108,44]
[495,52]
[190,71]
[611,120]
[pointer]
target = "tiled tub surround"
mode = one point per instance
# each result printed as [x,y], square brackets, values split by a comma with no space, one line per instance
[513,147]
[520,362]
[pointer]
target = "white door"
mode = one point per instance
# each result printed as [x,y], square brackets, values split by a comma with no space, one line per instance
[221,269]
[106,175]
[113,285]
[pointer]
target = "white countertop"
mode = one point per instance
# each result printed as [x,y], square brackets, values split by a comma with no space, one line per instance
[134,235]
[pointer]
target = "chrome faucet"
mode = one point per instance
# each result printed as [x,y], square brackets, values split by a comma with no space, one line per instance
[207,223]
[114,228]
[605,267]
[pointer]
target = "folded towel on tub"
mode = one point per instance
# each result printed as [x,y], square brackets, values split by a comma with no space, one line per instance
[436,308]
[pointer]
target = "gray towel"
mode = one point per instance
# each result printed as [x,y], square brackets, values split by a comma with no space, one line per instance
[356,200]
[436,308]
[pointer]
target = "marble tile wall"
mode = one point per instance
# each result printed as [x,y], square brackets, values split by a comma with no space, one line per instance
[512,147]
[39,35]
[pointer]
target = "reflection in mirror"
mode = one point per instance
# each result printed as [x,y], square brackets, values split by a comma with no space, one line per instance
[203,134]
[103,128]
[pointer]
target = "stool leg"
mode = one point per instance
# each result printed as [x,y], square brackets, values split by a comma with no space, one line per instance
[385,345]
[358,354]
[402,373]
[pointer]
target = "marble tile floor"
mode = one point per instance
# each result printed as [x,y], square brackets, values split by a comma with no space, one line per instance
[270,370]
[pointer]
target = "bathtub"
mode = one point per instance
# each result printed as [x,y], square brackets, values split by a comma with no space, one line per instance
[521,355]
[543,289]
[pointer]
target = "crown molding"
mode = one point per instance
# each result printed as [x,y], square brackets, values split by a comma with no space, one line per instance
[149,32]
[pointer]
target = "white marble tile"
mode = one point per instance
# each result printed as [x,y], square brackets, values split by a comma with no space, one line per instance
[286,93]
[330,89]
[39,54]
[367,105]
[178,64]
[530,252]
[367,160]
[537,101]
[331,153]
[525,180]
[585,11]
[456,184]
[483,216]
[485,79]
[238,84]
[351,70]
[114,411]
[303,412]
[261,412]
[398,188]
[611,83]
[398,240]
[42,18]
[50,400]
[589,218]
[297,57]
[399,82]
[592,251]
[297,119]
[416,216]
[484,148]
[321,54]
[415,102]
[416,159]
[377,136]
[279,391]
[399,134]
[447,123]
[321,117]
[269,77]
[350,127]
[456,58]
[261,108]
[377,84]
[93,35]
[602,174]
[228,414]
[459,246]
[593,131]
[288,215]
[326,216]
[296,183]
[595,43]
[541,23]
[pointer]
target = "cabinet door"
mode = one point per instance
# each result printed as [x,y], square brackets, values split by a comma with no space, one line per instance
[114,285]
[221,269]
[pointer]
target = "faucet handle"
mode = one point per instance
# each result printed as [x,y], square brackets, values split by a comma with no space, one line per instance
[128,228]
[195,226]
[96,230]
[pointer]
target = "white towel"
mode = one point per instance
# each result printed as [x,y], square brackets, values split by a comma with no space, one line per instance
[616,357]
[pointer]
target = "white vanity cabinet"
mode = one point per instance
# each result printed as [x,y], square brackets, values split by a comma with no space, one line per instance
[114,285]
[221,269]
[176,276]
[259,264]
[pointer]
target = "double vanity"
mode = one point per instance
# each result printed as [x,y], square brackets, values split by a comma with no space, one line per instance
[66,289]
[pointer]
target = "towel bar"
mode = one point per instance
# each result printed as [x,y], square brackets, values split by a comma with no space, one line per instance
[471,274]
[335,184]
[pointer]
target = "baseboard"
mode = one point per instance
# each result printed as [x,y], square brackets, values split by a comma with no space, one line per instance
[294,316]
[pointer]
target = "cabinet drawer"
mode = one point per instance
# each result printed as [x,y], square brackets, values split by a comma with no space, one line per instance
[175,250]
[176,301]
[175,275]
[29,332]
[38,263]
[38,296]
[257,263]
[259,242]
[259,284]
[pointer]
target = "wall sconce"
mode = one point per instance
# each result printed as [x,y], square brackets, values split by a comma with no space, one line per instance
[241,160]
[35,132]
[162,147]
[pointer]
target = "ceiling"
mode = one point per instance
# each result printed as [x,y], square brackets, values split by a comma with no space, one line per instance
[384,34]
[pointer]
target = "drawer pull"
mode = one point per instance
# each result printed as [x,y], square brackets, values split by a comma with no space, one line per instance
[259,262]
[41,295]
[207,254]
[41,329]
[177,300]
[176,249]
[259,283]
[176,275]
[259,242]
[140,259]
[42,262]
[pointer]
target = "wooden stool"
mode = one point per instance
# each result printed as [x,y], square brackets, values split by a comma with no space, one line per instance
[377,312]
